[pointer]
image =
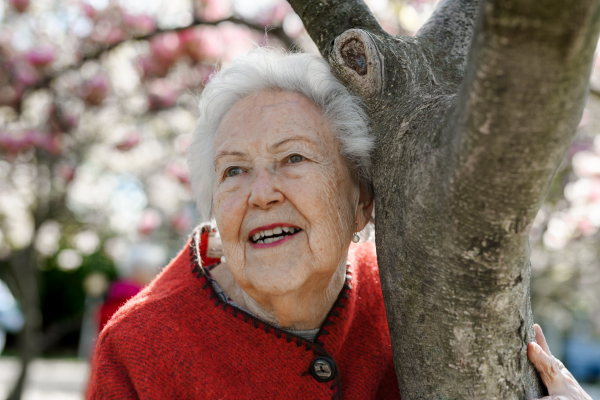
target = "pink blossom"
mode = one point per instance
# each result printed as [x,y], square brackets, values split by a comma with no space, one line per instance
[11,143]
[25,74]
[203,43]
[40,57]
[115,35]
[89,10]
[131,140]
[586,190]
[140,24]
[586,227]
[181,222]
[179,171]
[19,5]
[237,39]
[149,221]
[213,10]
[66,172]
[161,94]
[94,90]
[166,47]
[150,66]
[275,16]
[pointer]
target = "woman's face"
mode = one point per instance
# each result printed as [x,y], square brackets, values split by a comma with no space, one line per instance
[284,201]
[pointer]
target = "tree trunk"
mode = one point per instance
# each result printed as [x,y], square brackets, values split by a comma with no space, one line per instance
[472,118]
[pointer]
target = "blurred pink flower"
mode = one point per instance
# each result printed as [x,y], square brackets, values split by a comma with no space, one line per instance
[95,90]
[40,57]
[585,190]
[62,119]
[66,172]
[274,16]
[89,10]
[25,74]
[115,35]
[166,47]
[237,39]
[586,227]
[150,66]
[131,140]
[149,221]
[203,43]
[181,222]
[139,24]
[19,5]
[179,171]
[213,10]
[161,94]
[11,143]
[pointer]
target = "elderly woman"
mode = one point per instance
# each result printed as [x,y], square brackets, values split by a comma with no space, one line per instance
[281,161]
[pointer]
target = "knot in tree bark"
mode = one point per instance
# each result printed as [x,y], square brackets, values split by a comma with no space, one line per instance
[354,55]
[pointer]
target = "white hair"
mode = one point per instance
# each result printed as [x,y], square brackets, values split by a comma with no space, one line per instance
[271,69]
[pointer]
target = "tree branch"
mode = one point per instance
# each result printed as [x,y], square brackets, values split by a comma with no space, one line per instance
[45,81]
[451,27]
[327,19]
[519,107]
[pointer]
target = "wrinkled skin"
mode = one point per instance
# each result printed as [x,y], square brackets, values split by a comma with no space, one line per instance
[259,181]
[558,380]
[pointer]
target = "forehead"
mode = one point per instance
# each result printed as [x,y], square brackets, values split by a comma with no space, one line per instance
[266,116]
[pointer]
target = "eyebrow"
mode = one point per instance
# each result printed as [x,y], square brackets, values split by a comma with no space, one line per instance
[299,138]
[224,153]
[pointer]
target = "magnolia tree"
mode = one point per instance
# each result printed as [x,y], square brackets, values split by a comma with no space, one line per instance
[97,103]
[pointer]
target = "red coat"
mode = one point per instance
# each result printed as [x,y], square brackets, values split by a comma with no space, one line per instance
[178,340]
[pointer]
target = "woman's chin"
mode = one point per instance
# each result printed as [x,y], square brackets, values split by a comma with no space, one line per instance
[277,278]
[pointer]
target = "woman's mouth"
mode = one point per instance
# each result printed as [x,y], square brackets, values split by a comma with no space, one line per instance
[272,236]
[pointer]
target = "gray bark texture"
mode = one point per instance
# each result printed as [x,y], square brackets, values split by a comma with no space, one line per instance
[472,118]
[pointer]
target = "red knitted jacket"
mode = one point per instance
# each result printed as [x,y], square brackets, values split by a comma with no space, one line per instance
[178,340]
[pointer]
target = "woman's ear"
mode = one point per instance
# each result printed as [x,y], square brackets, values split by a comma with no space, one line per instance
[365,206]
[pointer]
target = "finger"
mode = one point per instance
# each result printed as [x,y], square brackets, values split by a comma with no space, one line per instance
[541,339]
[545,364]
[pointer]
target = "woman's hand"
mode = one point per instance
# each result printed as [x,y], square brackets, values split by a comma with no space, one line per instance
[559,381]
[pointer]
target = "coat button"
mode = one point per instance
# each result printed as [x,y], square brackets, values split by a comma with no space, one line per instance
[323,369]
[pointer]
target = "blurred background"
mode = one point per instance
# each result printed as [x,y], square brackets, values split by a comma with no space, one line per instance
[97,105]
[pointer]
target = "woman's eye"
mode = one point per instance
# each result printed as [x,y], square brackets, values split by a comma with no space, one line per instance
[296,159]
[233,171]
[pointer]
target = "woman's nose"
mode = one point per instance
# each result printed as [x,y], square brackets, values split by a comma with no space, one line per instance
[264,191]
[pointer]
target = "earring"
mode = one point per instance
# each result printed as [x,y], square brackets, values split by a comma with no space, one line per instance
[222,259]
[355,238]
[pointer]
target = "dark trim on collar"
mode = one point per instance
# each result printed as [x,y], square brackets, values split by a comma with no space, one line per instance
[317,347]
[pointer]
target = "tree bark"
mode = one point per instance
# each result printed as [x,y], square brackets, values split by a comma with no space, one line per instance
[472,117]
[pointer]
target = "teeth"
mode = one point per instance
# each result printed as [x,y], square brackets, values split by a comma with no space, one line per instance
[277,231]
[277,238]
[259,241]
[262,233]
[269,232]
[292,230]
[256,237]
[269,240]
[285,229]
